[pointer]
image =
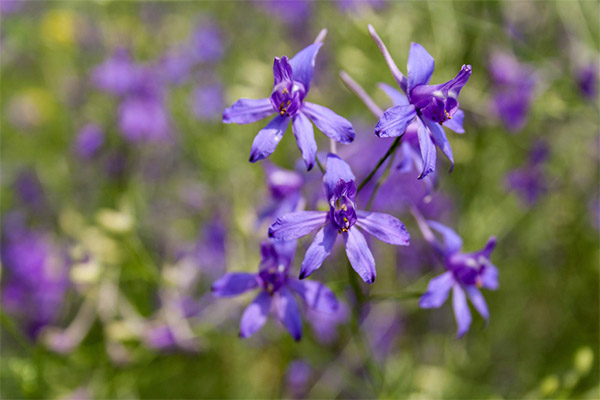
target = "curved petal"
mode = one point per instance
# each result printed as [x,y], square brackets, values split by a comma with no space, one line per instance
[336,170]
[297,224]
[360,256]
[456,122]
[427,149]
[489,277]
[319,250]
[395,120]
[398,98]
[288,313]
[246,111]
[461,309]
[268,138]
[305,138]
[478,301]
[303,64]
[282,70]
[384,227]
[452,242]
[334,126]
[441,141]
[437,291]
[419,67]
[233,284]
[255,315]
[316,295]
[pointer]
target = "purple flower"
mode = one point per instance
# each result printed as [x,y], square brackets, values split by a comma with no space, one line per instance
[30,191]
[117,74]
[89,140]
[430,106]
[206,43]
[587,80]
[207,102]
[529,181]
[276,288]
[297,377]
[285,188]
[292,80]
[340,190]
[466,272]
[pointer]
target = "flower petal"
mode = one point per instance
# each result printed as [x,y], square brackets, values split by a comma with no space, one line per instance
[246,111]
[384,227]
[461,309]
[335,170]
[305,138]
[478,301]
[452,242]
[288,313]
[319,250]
[395,120]
[255,315]
[419,67]
[316,295]
[233,284]
[398,98]
[297,224]
[268,138]
[427,149]
[334,126]
[441,141]
[303,64]
[489,277]
[359,254]
[456,122]
[437,291]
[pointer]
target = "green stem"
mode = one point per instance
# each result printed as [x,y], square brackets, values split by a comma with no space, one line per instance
[380,182]
[319,165]
[380,163]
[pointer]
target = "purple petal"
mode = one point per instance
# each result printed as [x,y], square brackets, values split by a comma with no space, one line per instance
[316,295]
[334,126]
[268,138]
[255,315]
[478,301]
[456,122]
[305,138]
[233,284]
[318,251]
[303,64]
[419,67]
[427,149]
[395,120]
[246,111]
[489,277]
[398,98]
[297,224]
[360,256]
[452,242]
[461,310]
[440,139]
[288,313]
[282,70]
[437,291]
[335,170]
[384,227]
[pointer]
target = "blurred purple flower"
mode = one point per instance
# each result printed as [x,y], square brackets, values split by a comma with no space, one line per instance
[207,43]
[466,272]
[117,75]
[297,376]
[276,287]
[160,337]
[587,80]
[175,66]
[29,190]
[291,12]
[292,80]
[340,190]
[529,181]
[285,188]
[355,6]
[11,6]
[89,140]
[207,102]
[325,325]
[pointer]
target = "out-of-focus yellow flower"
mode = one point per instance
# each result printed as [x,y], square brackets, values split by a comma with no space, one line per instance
[58,27]
[31,108]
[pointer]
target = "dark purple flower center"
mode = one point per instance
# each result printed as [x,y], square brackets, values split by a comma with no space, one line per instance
[343,205]
[273,269]
[287,94]
[468,269]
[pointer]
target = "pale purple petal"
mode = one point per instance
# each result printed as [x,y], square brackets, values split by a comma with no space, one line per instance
[384,227]
[452,242]
[489,277]
[268,138]
[359,254]
[316,295]
[305,138]
[334,126]
[335,170]
[437,291]
[440,139]
[246,111]
[303,64]
[395,120]
[478,301]
[398,98]
[297,224]
[255,315]
[427,149]
[419,67]
[456,122]
[233,284]
[288,313]
[318,251]
[461,309]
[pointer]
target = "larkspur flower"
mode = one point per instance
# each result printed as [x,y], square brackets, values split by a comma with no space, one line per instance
[587,80]
[89,140]
[292,79]
[466,273]
[285,189]
[117,74]
[276,288]
[429,106]
[529,181]
[340,190]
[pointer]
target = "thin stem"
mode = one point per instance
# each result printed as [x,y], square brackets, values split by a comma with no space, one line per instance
[380,182]
[361,93]
[380,163]
[332,146]
[319,165]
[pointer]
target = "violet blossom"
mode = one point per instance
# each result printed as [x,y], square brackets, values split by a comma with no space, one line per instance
[285,189]
[340,189]
[89,140]
[529,181]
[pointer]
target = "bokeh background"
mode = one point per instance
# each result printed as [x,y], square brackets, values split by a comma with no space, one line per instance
[121,206]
